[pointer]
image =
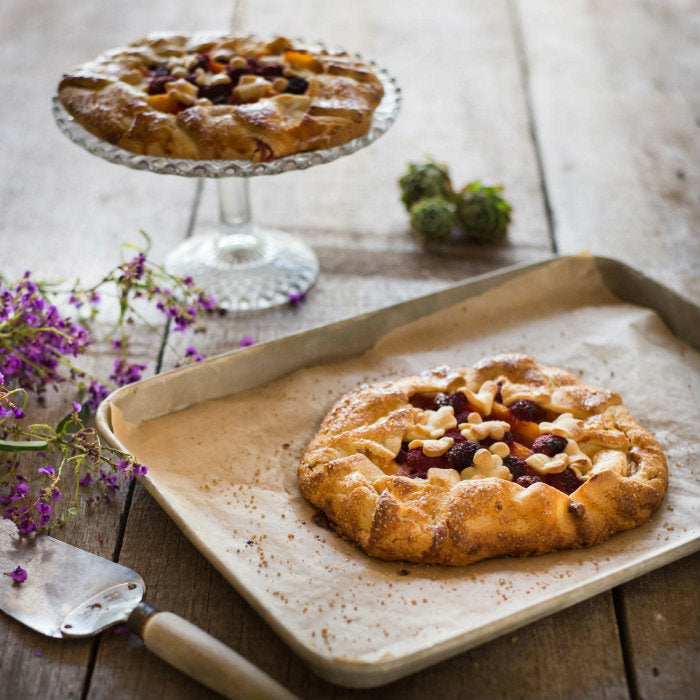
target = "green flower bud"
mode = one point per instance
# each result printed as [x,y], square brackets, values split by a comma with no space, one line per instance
[482,213]
[432,218]
[424,180]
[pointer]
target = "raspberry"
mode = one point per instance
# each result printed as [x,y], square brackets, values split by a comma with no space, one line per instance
[499,397]
[417,464]
[157,84]
[253,66]
[425,403]
[517,467]
[522,409]
[461,454]
[202,62]
[402,456]
[235,75]
[271,72]
[296,85]
[508,438]
[459,402]
[218,94]
[526,481]
[455,434]
[549,444]
[565,481]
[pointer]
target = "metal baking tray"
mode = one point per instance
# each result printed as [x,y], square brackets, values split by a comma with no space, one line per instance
[257,365]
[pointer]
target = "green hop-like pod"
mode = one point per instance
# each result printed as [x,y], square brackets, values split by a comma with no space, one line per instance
[482,213]
[423,180]
[432,218]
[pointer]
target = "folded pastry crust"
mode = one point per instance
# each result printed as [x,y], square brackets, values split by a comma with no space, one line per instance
[225,97]
[350,469]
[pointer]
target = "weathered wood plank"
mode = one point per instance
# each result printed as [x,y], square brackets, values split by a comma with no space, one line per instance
[615,92]
[661,628]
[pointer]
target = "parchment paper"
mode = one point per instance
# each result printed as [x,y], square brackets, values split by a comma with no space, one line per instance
[227,470]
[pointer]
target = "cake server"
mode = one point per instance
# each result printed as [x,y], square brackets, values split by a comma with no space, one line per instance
[70,593]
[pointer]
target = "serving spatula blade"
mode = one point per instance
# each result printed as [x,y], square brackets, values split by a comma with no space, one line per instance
[69,592]
[61,580]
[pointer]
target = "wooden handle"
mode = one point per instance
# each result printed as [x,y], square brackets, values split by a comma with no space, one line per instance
[200,656]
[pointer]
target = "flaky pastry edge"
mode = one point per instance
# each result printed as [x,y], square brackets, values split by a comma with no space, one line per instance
[430,522]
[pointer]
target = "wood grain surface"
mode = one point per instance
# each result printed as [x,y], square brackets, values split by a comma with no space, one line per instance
[586,112]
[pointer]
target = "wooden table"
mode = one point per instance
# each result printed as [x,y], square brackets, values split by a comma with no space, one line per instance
[588,113]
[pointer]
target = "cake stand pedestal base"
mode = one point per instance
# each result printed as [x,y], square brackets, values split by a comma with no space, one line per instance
[248,270]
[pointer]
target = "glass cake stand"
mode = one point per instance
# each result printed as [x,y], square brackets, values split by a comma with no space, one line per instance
[246,267]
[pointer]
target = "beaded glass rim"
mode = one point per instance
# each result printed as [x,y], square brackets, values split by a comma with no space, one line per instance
[383,118]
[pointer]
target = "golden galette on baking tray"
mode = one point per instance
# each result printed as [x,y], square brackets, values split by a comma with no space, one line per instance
[223,97]
[508,457]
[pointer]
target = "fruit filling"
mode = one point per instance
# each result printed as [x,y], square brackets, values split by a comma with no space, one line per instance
[482,437]
[237,81]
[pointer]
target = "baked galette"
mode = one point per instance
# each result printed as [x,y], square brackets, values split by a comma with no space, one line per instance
[508,457]
[222,97]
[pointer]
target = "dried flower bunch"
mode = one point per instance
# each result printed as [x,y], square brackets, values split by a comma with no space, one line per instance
[437,211]
[39,346]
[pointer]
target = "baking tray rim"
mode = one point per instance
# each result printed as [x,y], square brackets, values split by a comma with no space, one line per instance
[357,673]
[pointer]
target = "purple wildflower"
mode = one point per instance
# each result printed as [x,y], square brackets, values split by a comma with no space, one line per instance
[207,303]
[45,511]
[17,493]
[97,393]
[126,372]
[109,480]
[18,575]
[296,298]
[77,407]
[24,520]
[131,468]
[86,480]
[245,341]
[192,353]
[30,358]
[48,470]
[134,269]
